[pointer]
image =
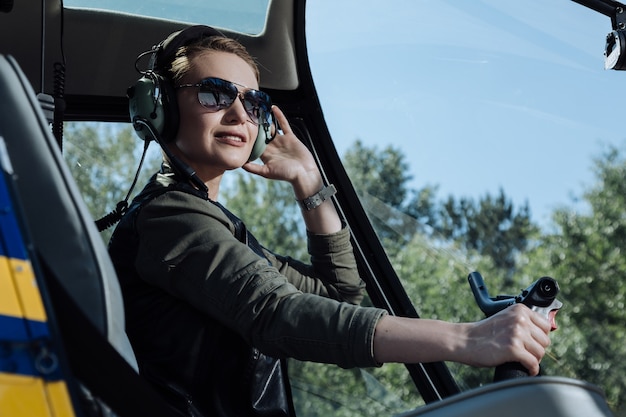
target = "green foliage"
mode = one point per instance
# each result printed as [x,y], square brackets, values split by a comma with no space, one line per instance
[382,174]
[270,212]
[103,159]
[586,254]
[433,245]
[489,226]
[321,390]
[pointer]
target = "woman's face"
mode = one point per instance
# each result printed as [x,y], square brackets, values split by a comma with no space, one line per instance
[212,143]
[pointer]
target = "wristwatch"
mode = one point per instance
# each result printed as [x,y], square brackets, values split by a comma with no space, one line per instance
[318,198]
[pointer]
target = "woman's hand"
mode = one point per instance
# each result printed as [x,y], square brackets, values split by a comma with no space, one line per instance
[286,158]
[515,334]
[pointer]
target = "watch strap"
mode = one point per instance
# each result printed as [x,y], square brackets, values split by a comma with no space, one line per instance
[318,198]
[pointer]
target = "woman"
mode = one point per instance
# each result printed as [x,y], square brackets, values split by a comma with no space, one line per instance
[205,303]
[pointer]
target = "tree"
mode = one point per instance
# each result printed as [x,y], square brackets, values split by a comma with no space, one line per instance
[586,255]
[103,159]
[269,210]
[382,174]
[435,244]
[380,179]
[490,226]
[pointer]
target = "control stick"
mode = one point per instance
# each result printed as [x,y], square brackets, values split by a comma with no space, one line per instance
[540,296]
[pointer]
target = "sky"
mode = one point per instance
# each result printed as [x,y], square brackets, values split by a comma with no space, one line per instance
[478,95]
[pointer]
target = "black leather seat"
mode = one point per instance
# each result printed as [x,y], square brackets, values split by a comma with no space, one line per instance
[63,232]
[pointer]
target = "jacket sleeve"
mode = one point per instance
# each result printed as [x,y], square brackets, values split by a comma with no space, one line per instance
[187,248]
[333,271]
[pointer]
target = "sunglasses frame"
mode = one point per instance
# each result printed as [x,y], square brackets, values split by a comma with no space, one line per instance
[213,82]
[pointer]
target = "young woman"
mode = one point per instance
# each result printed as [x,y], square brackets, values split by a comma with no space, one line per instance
[208,309]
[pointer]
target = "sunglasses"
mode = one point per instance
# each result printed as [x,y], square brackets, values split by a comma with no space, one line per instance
[216,94]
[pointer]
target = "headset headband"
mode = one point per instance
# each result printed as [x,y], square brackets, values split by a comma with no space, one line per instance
[165,52]
[153,107]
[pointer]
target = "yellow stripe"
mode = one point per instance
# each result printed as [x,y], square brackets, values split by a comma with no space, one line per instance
[24,396]
[19,293]
[9,304]
[59,399]
[28,290]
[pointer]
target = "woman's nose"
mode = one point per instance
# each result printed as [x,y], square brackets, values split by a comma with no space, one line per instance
[237,112]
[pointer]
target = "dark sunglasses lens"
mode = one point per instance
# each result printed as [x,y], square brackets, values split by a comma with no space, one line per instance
[216,94]
[258,105]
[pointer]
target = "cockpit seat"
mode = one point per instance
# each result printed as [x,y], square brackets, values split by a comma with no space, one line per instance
[63,232]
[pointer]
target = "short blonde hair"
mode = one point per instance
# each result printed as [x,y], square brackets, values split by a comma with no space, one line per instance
[182,60]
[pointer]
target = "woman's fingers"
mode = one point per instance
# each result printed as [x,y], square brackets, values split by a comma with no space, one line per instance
[516,334]
[527,333]
[285,127]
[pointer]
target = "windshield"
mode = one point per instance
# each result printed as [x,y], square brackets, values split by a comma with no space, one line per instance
[245,16]
[478,95]
[486,136]
[480,136]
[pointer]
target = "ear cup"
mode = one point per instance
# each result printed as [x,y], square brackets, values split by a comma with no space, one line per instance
[260,143]
[152,99]
[267,131]
[144,103]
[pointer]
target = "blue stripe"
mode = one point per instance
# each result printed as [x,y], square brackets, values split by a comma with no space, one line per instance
[11,243]
[13,328]
[25,349]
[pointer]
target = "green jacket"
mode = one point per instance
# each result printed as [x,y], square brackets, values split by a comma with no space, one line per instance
[190,284]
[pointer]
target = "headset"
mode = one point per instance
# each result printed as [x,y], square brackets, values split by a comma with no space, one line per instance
[153,110]
[152,99]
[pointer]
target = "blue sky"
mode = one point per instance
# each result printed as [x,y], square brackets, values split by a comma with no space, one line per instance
[479,95]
